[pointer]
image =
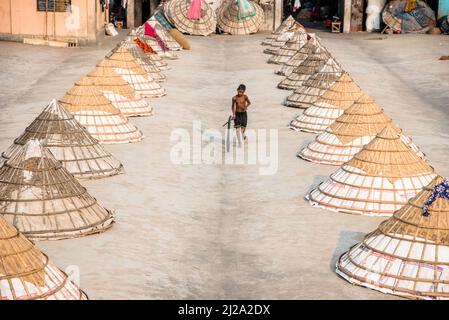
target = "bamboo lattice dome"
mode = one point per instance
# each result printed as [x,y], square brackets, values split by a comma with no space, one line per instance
[96,113]
[171,43]
[282,39]
[27,274]
[125,65]
[119,92]
[296,42]
[176,12]
[408,254]
[323,112]
[143,60]
[378,180]
[153,43]
[44,201]
[312,89]
[228,18]
[302,54]
[71,144]
[285,25]
[151,58]
[357,126]
[313,63]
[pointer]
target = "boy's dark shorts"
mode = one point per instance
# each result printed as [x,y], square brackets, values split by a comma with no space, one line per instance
[241,119]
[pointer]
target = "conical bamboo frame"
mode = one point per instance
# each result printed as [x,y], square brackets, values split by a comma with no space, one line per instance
[176,11]
[302,54]
[44,201]
[377,181]
[125,65]
[143,60]
[292,46]
[285,25]
[282,39]
[96,113]
[71,144]
[27,274]
[357,126]
[152,58]
[323,112]
[171,43]
[119,92]
[312,89]
[408,254]
[152,42]
[228,21]
[305,70]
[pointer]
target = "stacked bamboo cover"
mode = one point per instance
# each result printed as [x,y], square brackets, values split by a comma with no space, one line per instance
[28,274]
[153,43]
[357,126]
[378,180]
[119,92]
[282,39]
[96,113]
[171,43]
[302,54]
[229,22]
[124,64]
[71,144]
[285,25]
[312,89]
[176,13]
[323,112]
[311,65]
[45,201]
[408,254]
[286,52]
[152,57]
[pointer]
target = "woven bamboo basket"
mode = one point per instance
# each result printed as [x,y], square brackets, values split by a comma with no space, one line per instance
[124,64]
[151,57]
[171,43]
[79,153]
[285,25]
[316,86]
[44,201]
[153,43]
[279,42]
[305,70]
[176,12]
[408,254]
[377,181]
[228,19]
[357,126]
[119,92]
[143,60]
[302,54]
[292,46]
[27,274]
[323,112]
[96,113]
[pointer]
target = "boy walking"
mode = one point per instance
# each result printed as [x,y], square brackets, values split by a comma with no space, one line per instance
[240,104]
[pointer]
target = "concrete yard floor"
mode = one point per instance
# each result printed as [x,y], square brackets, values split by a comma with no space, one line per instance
[224,231]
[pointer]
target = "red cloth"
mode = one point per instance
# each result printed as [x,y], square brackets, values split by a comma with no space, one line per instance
[150,31]
[144,46]
[194,11]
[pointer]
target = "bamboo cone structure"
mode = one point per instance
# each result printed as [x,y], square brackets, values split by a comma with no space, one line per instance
[357,126]
[28,274]
[377,181]
[152,42]
[228,19]
[305,70]
[79,153]
[282,39]
[96,113]
[44,201]
[285,25]
[312,89]
[302,54]
[323,112]
[119,92]
[296,42]
[124,64]
[143,60]
[171,43]
[408,254]
[176,13]
[151,58]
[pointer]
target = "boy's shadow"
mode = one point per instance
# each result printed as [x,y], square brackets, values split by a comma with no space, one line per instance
[346,240]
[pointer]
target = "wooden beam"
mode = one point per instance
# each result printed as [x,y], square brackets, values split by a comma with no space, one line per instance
[347,16]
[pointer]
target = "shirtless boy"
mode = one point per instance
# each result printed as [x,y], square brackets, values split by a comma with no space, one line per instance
[240,104]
